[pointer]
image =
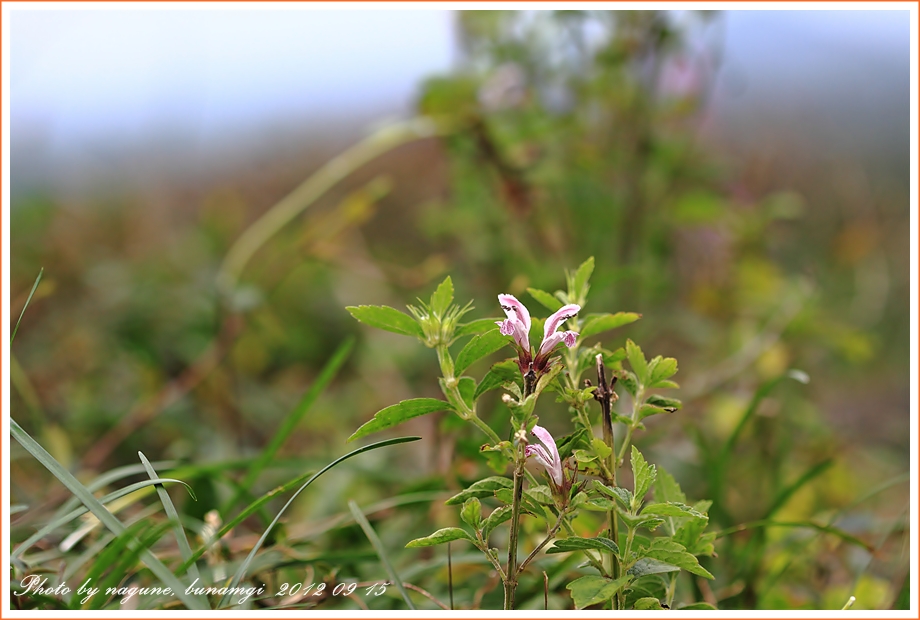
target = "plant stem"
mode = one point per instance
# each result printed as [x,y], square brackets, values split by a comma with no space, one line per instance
[512,571]
[604,394]
[452,392]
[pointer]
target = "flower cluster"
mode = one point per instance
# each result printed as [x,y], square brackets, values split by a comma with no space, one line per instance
[517,325]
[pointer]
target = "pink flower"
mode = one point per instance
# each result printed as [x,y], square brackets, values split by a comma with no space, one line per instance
[546,454]
[517,325]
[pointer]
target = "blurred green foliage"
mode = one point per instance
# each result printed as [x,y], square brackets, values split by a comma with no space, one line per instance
[573,134]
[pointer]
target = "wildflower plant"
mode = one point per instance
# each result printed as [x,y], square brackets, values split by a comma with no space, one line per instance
[651,534]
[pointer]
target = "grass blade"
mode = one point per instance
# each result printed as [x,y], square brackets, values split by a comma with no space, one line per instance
[28,299]
[95,506]
[381,553]
[173,515]
[827,529]
[326,375]
[241,571]
[76,512]
[785,494]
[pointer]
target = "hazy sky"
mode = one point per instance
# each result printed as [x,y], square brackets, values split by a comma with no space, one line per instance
[84,78]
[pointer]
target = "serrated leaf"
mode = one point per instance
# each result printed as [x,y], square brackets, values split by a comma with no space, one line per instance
[673,509]
[480,346]
[498,516]
[387,318]
[481,488]
[672,552]
[650,566]
[667,489]
[580,279]
[637,361]
[577,543]
[592,589]
[471,513]
[540,494]
[475,327]
[596,324]
[665,385]
[442,536]
[600,448]
[637,521]
[643,475]
[500,374]
[664,368]
[550,302]
[442,296]
[647,603]
[624,496]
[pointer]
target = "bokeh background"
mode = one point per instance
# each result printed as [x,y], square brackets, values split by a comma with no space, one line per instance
[741,178]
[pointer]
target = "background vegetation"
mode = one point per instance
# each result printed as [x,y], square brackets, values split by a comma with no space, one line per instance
[560,135]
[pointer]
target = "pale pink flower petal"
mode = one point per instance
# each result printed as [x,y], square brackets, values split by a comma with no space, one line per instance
[558,317]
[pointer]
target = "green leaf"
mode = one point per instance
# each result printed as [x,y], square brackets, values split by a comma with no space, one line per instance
[500,374]
[481,488]
[528,504]
[624,496]
[398,413]
[583,456]
[643,475]
[365,525]
[442,536]
[671,552]
[670,405]
[471,513]
[591,589]
[649,566]
[673,509]
[580,279]
[577,543]
[647,603]
[467,388]
[442,296]
[667,489]
[568,443]
[479,347]
[649,410]
[666,385]
[600,448]
[551,303]
[498,516]
[598,323]
[637,361]
[390,319]
[663,368]
[475,327]
[601,504]
[698,606]
[629,382]
[540,494]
